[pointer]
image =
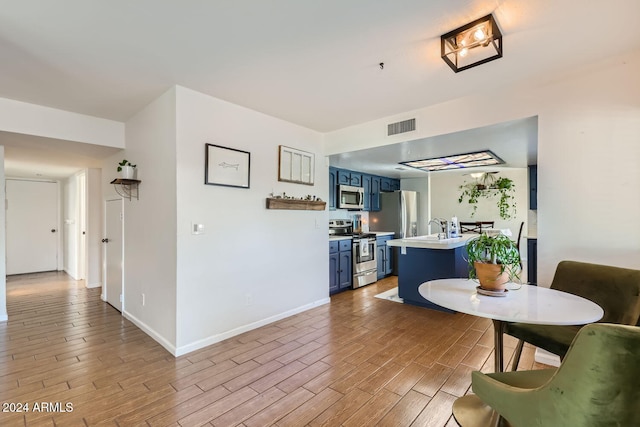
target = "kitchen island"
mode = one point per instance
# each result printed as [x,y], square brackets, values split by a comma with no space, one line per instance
[425,258]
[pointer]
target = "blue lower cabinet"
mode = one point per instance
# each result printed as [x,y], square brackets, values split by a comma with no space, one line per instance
[388,260]
[384,256]
[380,255]
[340,267]
[345,275]
[532,260]
[334,271]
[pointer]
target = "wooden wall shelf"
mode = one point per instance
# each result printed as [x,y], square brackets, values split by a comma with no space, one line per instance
[292,204]
[126,187]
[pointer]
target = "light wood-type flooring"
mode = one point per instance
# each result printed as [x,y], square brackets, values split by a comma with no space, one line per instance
[358,361]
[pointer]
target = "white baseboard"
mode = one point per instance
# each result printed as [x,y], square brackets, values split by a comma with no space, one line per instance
[245,328]
[151,332]
[94,285]
[547,358]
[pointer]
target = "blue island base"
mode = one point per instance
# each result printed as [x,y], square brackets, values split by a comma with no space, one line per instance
[419,265]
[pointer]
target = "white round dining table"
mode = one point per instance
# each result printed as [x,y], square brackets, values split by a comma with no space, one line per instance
[521,303]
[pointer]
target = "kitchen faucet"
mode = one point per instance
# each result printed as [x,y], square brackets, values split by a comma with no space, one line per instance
[444,229]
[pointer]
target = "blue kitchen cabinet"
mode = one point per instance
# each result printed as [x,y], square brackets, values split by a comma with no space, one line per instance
[389,184]
[340,267]
[532,260]
[334,271]
[376,183]
[533,187]
[333,183]
[384,256]
[371,186]
[345,276]
[347,177]
[344,177]
[366,185]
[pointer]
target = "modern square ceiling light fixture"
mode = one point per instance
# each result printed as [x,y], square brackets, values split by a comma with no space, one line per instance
[473,44]
[456,161]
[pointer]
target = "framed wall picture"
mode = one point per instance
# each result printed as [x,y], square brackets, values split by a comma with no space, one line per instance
[226,166]
[296,166]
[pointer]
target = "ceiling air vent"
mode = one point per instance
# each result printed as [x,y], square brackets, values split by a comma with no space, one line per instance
[401,127]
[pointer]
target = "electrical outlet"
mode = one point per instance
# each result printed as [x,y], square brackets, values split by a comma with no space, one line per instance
[248,299]
[143,300]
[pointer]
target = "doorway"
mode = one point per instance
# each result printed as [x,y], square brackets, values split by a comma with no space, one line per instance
[113,243]
[32,226]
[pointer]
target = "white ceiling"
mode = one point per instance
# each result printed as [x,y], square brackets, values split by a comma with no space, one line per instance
[313,63]
[36,157]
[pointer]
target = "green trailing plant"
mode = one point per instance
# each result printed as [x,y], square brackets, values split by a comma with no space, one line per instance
[490,187]
[495,249]
[125,162]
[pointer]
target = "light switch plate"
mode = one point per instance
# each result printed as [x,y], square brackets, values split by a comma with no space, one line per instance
[197,228]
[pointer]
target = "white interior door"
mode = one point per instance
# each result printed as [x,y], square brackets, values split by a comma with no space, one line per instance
[82,227]
[113,252]
[32,226]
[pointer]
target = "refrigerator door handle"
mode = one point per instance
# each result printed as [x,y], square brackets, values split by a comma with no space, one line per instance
[403,216]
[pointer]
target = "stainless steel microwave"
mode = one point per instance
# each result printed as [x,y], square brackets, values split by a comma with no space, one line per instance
[350,197]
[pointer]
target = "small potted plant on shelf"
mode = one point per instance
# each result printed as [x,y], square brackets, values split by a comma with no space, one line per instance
[127,170]
[493,260]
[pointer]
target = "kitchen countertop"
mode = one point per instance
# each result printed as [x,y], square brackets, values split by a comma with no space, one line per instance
[383,233]
[333,238]
[428,242]
[377,233]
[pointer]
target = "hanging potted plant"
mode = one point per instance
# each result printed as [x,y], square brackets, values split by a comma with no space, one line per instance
[127,170]
[493,260]
[488,187]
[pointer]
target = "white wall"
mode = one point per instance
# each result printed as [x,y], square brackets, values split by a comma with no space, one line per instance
[588,156]
[150,222]
[445,193]
[32,119]
[252,265]
[3,234]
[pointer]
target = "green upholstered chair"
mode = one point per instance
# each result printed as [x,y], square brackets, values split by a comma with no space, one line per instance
[597,384]
[615,289]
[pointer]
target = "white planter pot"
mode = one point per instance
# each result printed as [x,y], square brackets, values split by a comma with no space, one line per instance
[128,172]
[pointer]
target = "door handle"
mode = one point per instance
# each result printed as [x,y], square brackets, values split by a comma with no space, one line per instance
[105,240]
[53,230]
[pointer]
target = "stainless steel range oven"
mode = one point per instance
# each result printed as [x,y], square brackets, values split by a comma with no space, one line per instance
[365,270]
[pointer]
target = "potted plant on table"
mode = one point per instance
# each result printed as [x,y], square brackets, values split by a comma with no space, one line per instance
[127,170]
[494,260]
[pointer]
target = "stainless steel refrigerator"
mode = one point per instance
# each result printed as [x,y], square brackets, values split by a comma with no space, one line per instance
[398,213]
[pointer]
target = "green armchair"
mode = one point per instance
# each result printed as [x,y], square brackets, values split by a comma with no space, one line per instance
[595,385]
[615,289]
